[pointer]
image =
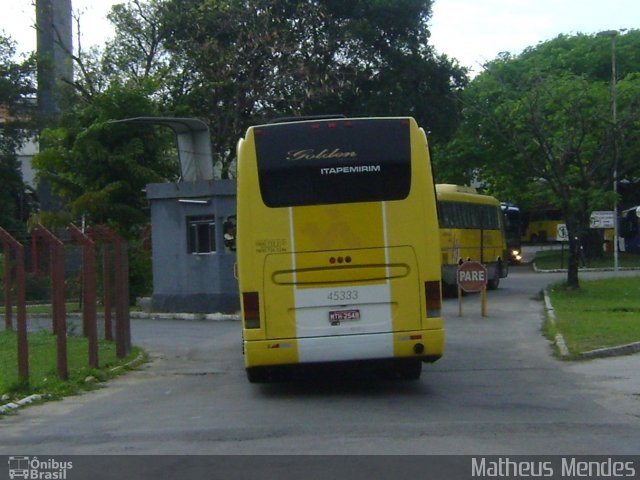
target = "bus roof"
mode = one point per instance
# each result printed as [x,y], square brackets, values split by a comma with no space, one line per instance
[449,187]
[446,191]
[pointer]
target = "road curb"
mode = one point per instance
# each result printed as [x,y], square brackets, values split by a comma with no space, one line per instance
[12,406]
[551,314]
[581,269]
[135,363]
[215,317]
[628,349]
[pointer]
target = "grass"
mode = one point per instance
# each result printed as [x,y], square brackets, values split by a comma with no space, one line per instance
[554,259]
[602,313]
[43,378]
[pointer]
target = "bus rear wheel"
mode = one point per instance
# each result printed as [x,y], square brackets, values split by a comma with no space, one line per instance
[257,375]
[409,368]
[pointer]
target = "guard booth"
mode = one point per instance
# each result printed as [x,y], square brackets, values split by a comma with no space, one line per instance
[193,246]
[192,227]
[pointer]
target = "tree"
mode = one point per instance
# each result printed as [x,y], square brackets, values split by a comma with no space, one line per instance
[541,122]
[253,60]
[97,168]
[137,51]
[235,63]
[16,90]
[100,169]
[396,71]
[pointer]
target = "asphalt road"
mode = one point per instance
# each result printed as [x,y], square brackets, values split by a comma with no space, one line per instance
[498,390]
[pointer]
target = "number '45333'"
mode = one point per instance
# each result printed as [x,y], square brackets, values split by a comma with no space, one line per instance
[338,295]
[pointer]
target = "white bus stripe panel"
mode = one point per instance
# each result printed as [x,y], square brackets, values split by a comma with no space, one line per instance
[319,297]
[344,348]
[312,307]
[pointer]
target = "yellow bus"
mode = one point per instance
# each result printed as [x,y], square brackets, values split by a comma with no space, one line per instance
[541,226]
[338,246]
[471,228]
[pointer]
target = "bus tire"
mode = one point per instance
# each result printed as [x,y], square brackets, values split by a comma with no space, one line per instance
[409,368]
[494,283]
[257,375]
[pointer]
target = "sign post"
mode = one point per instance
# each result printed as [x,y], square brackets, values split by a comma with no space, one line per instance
[602,219]
[472,277]
[562,236]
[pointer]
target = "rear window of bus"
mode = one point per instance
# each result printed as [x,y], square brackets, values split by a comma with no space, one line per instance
[336,161]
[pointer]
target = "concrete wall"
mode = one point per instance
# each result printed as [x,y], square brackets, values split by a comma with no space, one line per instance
[182,281]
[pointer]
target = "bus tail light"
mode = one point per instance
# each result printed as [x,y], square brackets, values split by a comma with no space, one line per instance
[434,298]
[251,309]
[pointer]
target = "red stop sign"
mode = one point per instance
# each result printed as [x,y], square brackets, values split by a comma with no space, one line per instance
[472,276]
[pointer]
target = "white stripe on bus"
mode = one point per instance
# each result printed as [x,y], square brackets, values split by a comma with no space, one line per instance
[345,347]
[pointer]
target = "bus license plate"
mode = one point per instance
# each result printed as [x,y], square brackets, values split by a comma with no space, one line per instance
[342,315]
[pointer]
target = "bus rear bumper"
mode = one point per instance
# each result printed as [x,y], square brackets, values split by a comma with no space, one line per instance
[426,345]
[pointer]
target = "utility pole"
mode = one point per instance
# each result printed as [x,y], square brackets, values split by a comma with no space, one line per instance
[614,110]
[55,47]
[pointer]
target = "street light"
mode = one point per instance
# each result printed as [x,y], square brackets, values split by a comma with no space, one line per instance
[613,34]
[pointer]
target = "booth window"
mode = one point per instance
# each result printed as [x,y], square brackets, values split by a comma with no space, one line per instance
[201,234]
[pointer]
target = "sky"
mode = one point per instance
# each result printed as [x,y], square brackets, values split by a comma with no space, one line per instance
[476,31]
[472,31]
[18,17]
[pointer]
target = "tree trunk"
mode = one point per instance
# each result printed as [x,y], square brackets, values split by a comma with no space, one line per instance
[573,231]
[574,256]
